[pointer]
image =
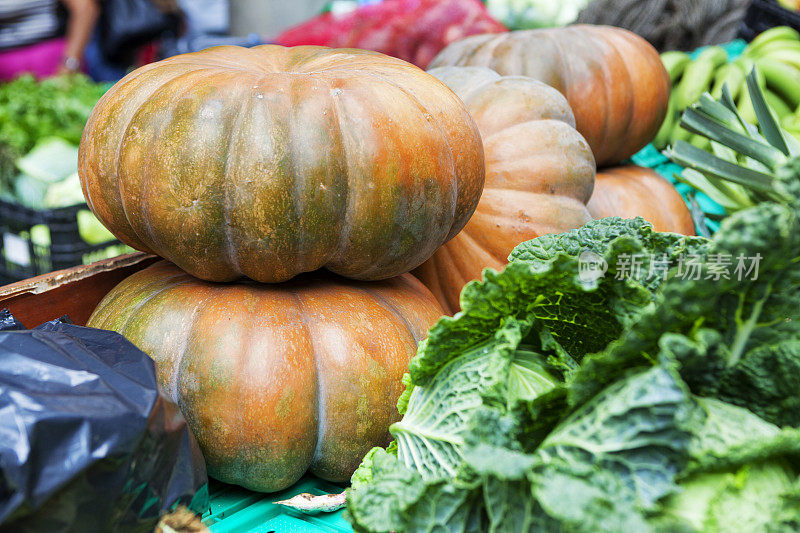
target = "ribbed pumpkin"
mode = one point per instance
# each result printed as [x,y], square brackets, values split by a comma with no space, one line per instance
[539,175]
[271,161]
[632,191]
[275,380]
[613,79]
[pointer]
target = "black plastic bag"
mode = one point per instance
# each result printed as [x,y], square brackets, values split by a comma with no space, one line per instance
[86,441]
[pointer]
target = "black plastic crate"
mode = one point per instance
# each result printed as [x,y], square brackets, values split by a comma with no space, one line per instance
[765,14]
[22,258]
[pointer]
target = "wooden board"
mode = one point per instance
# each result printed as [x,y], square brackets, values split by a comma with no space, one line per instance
[74,292]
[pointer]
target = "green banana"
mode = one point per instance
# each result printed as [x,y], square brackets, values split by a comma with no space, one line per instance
[731,75]
[775,47]
[745,107]
[664,135]
[779,33]
[790,56]
[791,122]
[777,104]
[782,79]
[675,62]
[698,75]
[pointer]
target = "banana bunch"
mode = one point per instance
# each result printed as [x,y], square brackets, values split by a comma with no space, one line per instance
[776,55]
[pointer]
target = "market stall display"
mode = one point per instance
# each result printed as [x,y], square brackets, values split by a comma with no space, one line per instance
[450,300]
[43,217]
[776,56]
[613,79]
[277,161]
[747,165]
[615,399]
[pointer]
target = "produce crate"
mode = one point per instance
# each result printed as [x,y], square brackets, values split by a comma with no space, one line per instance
[764,14]
[75,292]
[23,257]
[236,510]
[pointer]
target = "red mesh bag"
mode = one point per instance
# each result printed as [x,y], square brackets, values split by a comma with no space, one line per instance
[413,30]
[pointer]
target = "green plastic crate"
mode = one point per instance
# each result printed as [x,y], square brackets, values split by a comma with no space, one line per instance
[237,510]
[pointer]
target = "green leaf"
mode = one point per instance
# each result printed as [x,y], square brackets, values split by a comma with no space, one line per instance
[431,434]
[739,477]
[766,119]
[747,313]
[398,499]
[610,461]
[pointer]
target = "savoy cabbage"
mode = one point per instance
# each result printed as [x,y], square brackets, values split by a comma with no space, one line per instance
[557,401]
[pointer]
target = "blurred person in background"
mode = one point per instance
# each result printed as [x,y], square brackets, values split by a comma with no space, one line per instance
[45,37]
[205,23]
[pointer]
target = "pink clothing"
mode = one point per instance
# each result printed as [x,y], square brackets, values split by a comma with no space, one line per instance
[42,59]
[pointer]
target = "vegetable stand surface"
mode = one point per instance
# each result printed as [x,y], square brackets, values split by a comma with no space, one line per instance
[237,510]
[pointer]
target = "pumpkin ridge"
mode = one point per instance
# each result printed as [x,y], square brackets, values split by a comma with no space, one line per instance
[349,198]
[146,174]
[462,268]
[116,189]
[386,304]
[608,88]
[230,252]
[175,380]
[445,140]
[488,45]
[109,303]
[378,262]
[629,109]
[149,297]
[442,261]
[318,396]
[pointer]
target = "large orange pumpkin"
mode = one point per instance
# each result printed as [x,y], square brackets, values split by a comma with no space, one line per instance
[613,79]
[632,191]
[271,161]
[539,175]
[275,380]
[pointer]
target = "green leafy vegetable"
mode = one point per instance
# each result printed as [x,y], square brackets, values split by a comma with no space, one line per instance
[32,110]
[570,399]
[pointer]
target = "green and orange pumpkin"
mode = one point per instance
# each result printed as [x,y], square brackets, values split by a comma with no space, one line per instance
[268,162]
[276,379]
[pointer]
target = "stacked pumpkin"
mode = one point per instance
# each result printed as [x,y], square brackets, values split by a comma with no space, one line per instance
[272,163]
[601,96]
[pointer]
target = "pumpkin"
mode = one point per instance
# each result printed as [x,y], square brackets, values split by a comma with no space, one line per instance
[270,161]
[631,191]
[613,79]
[276,380]
[539,175]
